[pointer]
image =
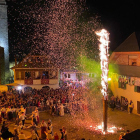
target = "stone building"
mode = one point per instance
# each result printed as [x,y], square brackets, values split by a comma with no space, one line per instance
[125,82]
[4,36]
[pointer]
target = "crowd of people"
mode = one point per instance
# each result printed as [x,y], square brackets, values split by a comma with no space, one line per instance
[122,104]
[14,106]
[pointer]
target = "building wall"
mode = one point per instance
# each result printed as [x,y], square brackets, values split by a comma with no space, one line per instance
[2,72]
[125,58]
[4,35]
[54,86]
[122,60]
[127,93]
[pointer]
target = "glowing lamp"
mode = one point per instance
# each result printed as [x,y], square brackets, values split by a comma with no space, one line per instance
[19,87]
[109,79]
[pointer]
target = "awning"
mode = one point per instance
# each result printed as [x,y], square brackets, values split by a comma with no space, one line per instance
[13,84]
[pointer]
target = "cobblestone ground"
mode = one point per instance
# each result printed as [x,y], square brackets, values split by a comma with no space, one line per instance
[117,118]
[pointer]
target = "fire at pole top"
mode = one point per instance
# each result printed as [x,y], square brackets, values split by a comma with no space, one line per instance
[103,47]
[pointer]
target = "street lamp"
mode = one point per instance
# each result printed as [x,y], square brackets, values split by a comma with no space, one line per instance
[103,47]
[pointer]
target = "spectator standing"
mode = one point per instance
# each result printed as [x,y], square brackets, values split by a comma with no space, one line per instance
[112,103]
[65,133]
[34,136]
[15,134]
[43,129]
[56,137]
[125,104]
[61,135]
[118,104]
[22,118]
[61,110]
[131,106]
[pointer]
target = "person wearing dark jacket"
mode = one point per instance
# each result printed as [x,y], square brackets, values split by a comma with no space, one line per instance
[5,132]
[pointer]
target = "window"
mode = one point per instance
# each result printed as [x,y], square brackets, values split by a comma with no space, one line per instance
[27,75]
[18,75]
[45,75]
[138,107]
[37,75]
[137,89]
[133,60]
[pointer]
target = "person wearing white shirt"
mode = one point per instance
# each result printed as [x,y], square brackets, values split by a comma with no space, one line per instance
[22,118]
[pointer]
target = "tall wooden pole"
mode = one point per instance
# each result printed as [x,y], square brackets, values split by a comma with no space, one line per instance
[105,115]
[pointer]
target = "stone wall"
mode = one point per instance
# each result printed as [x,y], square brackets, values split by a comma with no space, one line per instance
[4,35]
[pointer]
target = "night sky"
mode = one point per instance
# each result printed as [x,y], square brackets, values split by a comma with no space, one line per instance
[120,18]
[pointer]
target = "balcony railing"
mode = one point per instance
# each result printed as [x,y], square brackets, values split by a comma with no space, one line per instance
[28,81]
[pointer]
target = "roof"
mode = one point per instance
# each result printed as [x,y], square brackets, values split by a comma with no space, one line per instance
[131,44]
[36,59]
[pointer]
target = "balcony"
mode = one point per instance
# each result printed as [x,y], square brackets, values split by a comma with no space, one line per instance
[126,70]
[37,81]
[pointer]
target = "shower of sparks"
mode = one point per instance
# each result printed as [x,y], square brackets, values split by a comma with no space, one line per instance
[54,28]
[103,47]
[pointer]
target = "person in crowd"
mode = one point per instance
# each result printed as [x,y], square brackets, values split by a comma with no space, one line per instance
[112,103]
[15,134]
[3,112]
[34,118]
[9,113]
[56,137]
[49,132]
[5,132]
[61,134]
[125,104]
[64,132]
[118,104]
[61,110]
[131,106]
[20,127]
[121,135]
[34,136]
[122,104]
[36,113]
[22,118]
[34,127]
[43,129]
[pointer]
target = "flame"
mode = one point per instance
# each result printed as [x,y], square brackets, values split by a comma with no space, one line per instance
[103,47]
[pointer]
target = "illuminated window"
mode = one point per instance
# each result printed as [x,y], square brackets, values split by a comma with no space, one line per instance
[37,75]
[18,75]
